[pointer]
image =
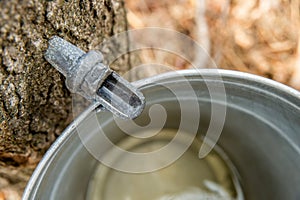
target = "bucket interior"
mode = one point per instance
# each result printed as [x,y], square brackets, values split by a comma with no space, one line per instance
[260,136]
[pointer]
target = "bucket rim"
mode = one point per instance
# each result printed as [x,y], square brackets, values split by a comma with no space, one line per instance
[293,96]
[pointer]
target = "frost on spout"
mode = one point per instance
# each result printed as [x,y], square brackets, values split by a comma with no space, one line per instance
[88,76]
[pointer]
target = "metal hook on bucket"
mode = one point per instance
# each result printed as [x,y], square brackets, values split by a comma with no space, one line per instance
[88,76]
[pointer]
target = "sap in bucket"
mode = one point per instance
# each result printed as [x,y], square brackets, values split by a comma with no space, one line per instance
[257,155]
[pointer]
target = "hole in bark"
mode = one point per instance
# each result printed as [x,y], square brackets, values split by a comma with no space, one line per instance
[10,161]
[94,13]
[107,5]
[81,4]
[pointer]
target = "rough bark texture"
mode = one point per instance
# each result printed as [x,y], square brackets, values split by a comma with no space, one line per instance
[35,105]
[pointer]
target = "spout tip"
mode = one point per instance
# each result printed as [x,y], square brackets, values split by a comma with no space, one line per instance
[139,105]
[121,98]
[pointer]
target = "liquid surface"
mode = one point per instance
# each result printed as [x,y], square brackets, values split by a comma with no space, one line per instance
[187,178]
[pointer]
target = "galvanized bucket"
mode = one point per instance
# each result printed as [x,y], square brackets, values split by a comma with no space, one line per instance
[260,136]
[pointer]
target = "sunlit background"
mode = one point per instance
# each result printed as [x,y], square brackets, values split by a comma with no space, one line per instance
[259,37]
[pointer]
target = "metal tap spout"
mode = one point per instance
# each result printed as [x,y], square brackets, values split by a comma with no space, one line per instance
[87,75]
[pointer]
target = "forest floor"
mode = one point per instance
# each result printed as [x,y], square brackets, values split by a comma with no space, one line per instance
[258,37]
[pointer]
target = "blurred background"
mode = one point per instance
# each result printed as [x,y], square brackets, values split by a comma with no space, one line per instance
[255,36]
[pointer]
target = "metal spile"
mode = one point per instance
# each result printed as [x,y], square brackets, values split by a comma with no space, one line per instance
[87,75]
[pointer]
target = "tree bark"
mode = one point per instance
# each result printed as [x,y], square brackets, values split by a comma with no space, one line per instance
[35,106]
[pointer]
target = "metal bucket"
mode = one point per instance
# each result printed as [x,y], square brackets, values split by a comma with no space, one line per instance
[261,136]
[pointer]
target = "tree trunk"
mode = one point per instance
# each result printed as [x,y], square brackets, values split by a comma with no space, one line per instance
[35,105]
